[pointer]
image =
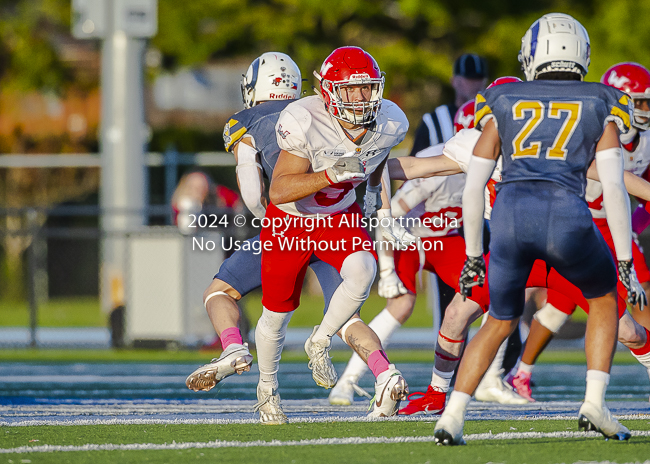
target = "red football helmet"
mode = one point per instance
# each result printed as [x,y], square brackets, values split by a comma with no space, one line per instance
[634,80]
[464,118]
[348,66]
[504,80]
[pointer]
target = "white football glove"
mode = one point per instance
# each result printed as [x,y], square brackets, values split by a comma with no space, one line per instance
[393,231]
[389,284]
[346,168]
[372,199]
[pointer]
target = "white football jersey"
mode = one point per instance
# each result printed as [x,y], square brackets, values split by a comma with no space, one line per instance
[635,162]
[438,209]
[460,149]
[306,129]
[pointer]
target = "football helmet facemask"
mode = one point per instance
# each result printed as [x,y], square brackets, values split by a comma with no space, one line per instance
[634,80]
[556,42]
[345,67]
[272,76]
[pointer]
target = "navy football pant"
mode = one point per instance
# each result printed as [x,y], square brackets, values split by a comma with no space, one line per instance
[541,220]
[243,272]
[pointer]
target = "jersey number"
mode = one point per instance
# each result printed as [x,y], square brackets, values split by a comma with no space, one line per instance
[323,199]
[533,111]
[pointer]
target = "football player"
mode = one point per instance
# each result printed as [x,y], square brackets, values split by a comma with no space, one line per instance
[330,144]
[269,85]
[540,212]
[633,79]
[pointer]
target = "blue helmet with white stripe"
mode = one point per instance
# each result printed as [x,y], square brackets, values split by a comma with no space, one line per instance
[556,42]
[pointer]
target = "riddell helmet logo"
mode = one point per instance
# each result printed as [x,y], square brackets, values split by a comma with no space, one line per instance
[280,96]
[617,81]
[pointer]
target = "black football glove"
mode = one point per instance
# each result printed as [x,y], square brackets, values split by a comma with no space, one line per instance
[474,267]
[627,276]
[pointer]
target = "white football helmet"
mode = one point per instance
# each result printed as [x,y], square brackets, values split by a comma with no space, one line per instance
[556,42]
[272,76]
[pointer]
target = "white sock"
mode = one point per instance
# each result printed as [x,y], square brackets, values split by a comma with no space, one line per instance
[442,380]
[495,368]
[358,272]
[269,339]
[384,324]
[523,367]
[597,382]
[457,404]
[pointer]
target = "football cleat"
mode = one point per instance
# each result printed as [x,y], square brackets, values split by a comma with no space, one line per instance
[449,430]
[430,402]
[493,389]
[323,371]
[269,407]
[235,359]
[599,419]
[521,384]
[390,389]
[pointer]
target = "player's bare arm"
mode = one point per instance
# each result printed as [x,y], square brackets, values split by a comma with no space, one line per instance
[409,167]
[489,144]
[635,185]
[292,179]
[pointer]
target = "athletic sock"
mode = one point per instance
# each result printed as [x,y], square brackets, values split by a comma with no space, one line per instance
[643,354]
[525,368]
[457,404]
[495,369]
[229,336]
[269,339]
[597,382]
[441,380]
[378,362]
[358,273]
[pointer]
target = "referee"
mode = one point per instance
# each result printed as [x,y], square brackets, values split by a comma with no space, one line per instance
[470,77]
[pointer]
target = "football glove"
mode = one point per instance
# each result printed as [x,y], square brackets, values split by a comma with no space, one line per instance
[372,199]
[393,231]
[627,276]
[389,284]
[474,267]
[346,168]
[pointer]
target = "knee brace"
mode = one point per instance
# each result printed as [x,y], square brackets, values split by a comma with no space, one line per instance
[551,317]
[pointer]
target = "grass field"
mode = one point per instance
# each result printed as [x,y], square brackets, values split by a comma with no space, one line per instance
[345,442]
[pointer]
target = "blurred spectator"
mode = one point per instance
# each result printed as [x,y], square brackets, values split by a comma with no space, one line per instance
[196,192]
[470,77]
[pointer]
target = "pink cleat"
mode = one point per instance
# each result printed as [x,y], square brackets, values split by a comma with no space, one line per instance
[521,384]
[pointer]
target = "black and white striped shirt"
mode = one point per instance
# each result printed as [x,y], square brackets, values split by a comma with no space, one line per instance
[436,127]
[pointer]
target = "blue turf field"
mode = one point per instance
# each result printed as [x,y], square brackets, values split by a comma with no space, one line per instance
[60,393]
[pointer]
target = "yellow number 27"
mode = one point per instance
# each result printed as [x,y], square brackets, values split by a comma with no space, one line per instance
[533,111]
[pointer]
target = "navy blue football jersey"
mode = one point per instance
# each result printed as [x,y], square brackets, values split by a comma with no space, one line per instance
[259,123]
[549,129]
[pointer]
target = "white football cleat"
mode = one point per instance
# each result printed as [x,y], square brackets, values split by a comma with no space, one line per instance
[390,390]
[494,390]
[449,430]
[593,417]
[323,371]
[269,407]
[343,392]
[235,359]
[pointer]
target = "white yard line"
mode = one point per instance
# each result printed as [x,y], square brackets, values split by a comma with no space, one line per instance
[298,420]
[276,443]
